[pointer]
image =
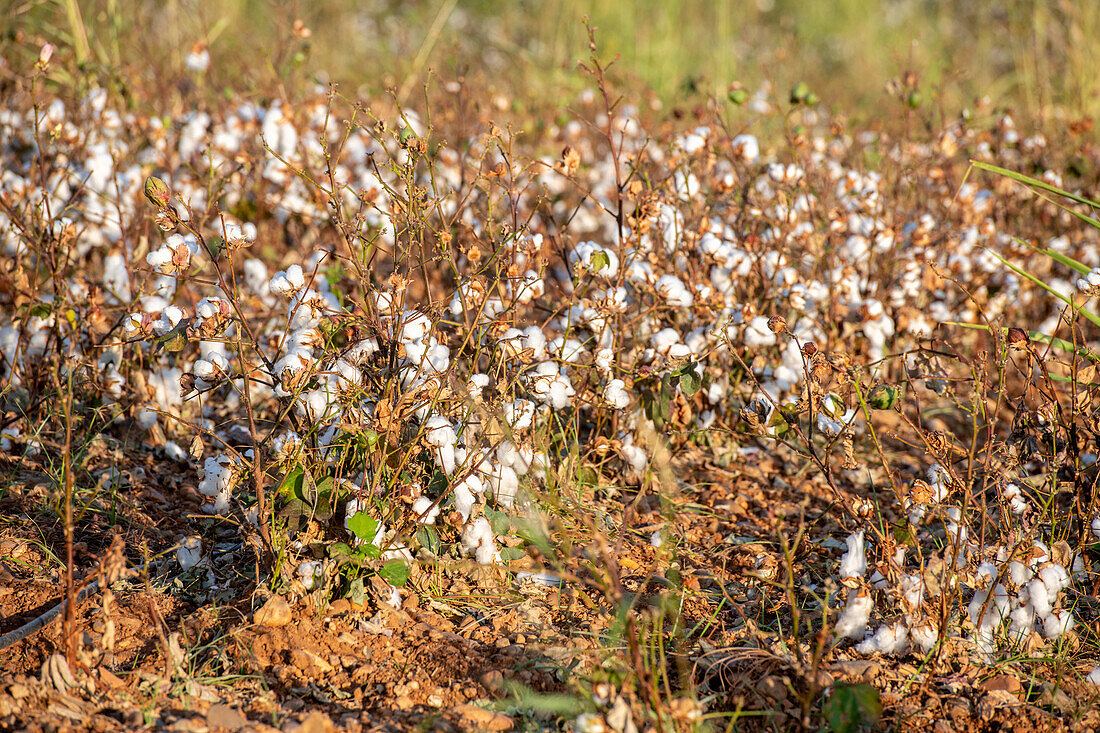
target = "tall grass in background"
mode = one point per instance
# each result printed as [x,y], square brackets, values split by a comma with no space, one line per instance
[1035,56]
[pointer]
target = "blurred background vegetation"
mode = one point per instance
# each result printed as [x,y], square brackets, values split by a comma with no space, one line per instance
[1036,57]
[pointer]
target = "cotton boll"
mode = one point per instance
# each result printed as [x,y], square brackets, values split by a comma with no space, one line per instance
[441,435]
[887,640]
[1019,573]
[189,553]
[1039,598]
[1021,621]
[288,282]
[746,147]
[615,394]
[663,341]
[463,496]
[519,414]
[852,623]
[423,508]
[503,482]
[606,260]
[604,358]
[757,334]
[308,573]
[1057,625]
[477,540]
[912,589]
[174,452]
[987,571]
[1040,554]
[854,562]
[635,457]
[924,635]
[1094,676]
[592,723]
[476,384]
[1054,577]
[674,292]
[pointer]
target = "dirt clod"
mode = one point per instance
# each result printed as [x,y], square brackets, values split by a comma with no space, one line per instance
[220,715]
[274,613]
[480,718]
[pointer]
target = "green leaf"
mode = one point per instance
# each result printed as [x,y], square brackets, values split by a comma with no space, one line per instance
[291,485]
[40,310]
[363,525]
[294,511]
[357,592]
[508,554]
[497,520]
[690,382]
[599,260]
[852,707]
[429,539]
[339,550]
[395,572]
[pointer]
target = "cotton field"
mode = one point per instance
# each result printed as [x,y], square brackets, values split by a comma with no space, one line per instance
[639,422]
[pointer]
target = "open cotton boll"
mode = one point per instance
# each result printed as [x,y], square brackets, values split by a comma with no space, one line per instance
[218,480]
[674,292]
[757,334]
[503,482]
[1057,625]
[1094,676]
[464,495]
[477,540]
[519,413]
[441,435]
[1017,502]
[1039,597]
[604,358]
[746,147]
[1021,621]
[853,564]
[924,635]
[308,573]
[886,640]
[423,508]
[189,553]
[1054,577]
[606,262]
[174,452]
[516,457]
[635,457]
[615,394]
[288,282]
[1019,573]
[852,623]
[912,589]
[415,325]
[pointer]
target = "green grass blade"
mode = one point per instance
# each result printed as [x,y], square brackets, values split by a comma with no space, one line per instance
[1024,273]
[1057,256]
[1035,183]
